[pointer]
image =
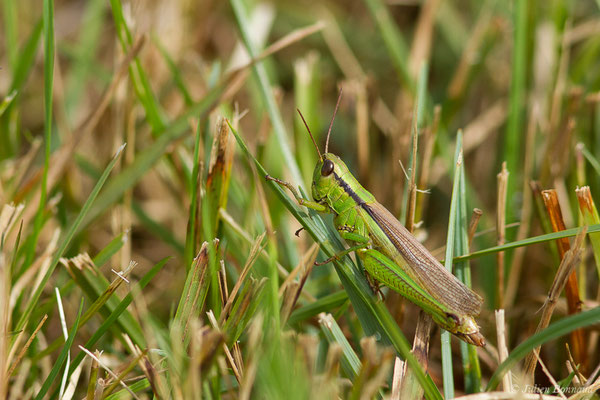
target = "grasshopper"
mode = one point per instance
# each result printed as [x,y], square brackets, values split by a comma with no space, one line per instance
[389,253]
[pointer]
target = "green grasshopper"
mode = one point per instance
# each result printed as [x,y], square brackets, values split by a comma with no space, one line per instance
[389,253]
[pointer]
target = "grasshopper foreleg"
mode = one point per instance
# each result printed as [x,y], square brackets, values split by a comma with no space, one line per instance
[302,201]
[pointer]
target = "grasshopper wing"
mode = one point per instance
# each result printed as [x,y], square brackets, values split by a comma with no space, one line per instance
[418,262]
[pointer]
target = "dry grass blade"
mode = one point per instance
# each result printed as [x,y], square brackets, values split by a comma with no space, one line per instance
[254,252]
[502,349]
[574,303]
[235,367]
[397,378]
[24,349]
[501,233]
[410,388]
[195,289]
[470,53]
[374,369]
[219,170]
[430,134]
[230,221]
[557,387]
[291,288]
[279,45]
[568,263]
[123,373]
[484,125]
[477,213]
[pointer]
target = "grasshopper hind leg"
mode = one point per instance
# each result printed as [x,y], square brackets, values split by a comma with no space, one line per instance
[375,285]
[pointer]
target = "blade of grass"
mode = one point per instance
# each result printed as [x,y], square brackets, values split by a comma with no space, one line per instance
[32,302]
[528,242]
[324,304]
[567,264]
[333,333]
[48,29]
[11,32]
[7,101]
[417,126]
[26,57]
[503,180]
[590,217]
[574,303]
[448,375]
[109,250]
[96,288]
[61,358]
[462,270]
[135,387]
[194,290]
[513,141]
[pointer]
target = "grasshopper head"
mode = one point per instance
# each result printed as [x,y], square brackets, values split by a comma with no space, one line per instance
[324,176]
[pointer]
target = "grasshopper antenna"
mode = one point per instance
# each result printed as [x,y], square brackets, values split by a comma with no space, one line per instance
[337,105]
[311,136]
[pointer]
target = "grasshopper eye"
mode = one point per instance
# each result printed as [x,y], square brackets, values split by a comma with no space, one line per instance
[327,168]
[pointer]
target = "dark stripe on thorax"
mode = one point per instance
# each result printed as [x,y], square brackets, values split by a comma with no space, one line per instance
[349,190]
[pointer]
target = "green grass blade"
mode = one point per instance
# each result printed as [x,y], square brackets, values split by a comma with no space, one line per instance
[48,22]
[7,101]
[333,333]
[447,372]
[26,58]
[324,304]
[195,289]
[514,128]
[109,250]
[10,32]
[590,216]
[62,357]
[462,270]
[134,387]
[527,242]
[591,159]
[553,331]
[32,302]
